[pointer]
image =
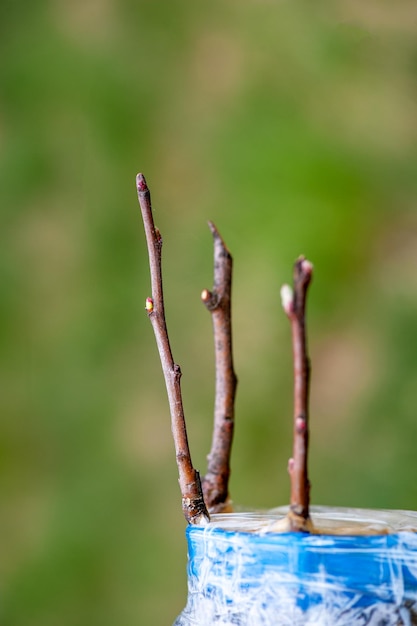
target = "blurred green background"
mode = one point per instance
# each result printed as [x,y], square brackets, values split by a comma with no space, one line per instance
[291,125]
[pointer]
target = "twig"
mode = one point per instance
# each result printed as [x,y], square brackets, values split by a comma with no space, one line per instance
[294,304]
[218,302]
[193,504]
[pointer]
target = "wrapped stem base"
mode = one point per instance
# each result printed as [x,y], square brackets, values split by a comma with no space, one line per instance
[242,574]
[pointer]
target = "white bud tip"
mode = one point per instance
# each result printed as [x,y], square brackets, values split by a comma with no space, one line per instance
[307,267]
[287,299]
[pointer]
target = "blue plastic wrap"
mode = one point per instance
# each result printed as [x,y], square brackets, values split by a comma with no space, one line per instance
[243,573]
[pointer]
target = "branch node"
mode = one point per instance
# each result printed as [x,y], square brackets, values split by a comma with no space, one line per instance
[158,235]
[177,371]
[210,300]
[300,424]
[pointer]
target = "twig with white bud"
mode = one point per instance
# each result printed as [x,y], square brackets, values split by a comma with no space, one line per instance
[193,504]
[294,305]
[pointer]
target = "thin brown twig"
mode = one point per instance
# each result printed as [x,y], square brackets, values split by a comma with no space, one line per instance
[193,504]
[294,304]
[218,302]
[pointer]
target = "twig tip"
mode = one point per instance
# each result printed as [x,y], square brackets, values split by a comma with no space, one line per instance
[307,266]
[303,269]
[213,229]
[141,183]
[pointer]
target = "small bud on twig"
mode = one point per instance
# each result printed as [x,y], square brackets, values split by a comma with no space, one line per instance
[149,305]
[287,299]
[209,299]
[205,295]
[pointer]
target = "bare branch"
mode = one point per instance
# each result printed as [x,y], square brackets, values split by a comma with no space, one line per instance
[218,302]
[193,504]
[294,304]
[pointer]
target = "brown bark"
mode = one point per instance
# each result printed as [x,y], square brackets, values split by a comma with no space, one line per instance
[218,302]
[193,504]
[294,304]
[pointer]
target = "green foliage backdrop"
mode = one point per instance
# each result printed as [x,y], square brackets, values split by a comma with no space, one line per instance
[292,125]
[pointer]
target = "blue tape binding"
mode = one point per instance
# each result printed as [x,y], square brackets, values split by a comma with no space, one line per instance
[272,579]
